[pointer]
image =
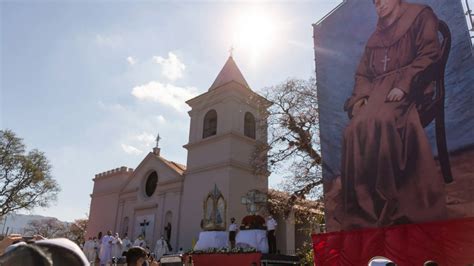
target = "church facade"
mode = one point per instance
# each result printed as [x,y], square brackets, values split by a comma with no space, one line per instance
[165,198]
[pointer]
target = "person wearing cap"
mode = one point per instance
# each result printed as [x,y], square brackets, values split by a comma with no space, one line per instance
[232,232]
[46,252]
[24,254]
[271,227]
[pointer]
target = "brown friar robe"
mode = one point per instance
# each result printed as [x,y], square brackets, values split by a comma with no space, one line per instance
[388,172]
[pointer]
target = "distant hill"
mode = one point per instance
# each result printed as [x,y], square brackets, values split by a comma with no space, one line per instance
[16,223]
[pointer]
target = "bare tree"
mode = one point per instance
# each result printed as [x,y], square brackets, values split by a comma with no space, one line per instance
[293,138]
[49,228]
[25,178]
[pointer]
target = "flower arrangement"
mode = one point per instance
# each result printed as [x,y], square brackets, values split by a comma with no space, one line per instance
[251,222]
[223,251]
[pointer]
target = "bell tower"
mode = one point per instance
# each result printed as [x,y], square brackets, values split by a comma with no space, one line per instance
[227,123]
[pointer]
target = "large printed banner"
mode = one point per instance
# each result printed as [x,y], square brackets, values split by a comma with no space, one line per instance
[396,87]
[445,242]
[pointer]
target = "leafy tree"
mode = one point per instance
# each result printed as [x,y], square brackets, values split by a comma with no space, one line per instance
[25,178]
[76,230]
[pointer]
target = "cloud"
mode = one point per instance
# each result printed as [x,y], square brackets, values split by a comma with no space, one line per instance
[166,94]
[131,150]
[172,68]
[146,139]
[132,61]
[161,119]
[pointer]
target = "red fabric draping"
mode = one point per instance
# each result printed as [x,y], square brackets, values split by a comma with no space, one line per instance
[226,259]
[446,242]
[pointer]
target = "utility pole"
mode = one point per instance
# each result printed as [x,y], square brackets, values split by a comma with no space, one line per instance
[4,223]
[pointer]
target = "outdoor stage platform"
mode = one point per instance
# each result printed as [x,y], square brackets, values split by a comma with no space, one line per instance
[230,259]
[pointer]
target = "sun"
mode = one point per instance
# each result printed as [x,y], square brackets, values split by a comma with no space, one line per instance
[254,33]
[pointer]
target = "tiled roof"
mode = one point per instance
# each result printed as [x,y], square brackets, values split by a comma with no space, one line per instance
[179,168]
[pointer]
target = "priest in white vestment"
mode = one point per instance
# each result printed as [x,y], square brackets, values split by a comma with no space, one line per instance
[161,248]
[117,246]
[139,242]
[89,250]
[105,254]
[126,244]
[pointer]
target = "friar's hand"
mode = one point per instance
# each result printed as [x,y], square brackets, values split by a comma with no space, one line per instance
[358,106]
[395,95]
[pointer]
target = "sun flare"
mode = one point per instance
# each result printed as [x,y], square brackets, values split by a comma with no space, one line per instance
[254,34]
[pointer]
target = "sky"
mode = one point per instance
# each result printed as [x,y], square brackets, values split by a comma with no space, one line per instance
[91,83]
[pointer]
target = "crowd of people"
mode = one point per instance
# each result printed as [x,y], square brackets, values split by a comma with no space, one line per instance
[104,250]
[98,251]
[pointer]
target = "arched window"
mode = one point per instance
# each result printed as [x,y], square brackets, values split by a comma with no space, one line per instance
[210,124]
[249,125]
[151,183]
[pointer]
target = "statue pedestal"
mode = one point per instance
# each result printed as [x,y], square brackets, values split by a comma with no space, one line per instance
[254,238]
[212,239]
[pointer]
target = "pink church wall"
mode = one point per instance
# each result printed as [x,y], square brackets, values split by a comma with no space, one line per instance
[104,200]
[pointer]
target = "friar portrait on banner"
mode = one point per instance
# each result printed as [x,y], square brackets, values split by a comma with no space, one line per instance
[388,171]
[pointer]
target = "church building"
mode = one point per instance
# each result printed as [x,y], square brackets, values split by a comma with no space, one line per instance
[165,198]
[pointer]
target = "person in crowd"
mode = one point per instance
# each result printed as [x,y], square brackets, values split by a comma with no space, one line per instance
[89,250]
[42,252]
[117,246]
[137,256]
[232,232]
[24,254]
[96,248]
[126,244]
[105,253]
[139,242]
[161,248]
[271,227]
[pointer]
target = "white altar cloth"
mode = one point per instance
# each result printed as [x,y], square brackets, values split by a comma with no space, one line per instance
[212,239]
[254,238]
